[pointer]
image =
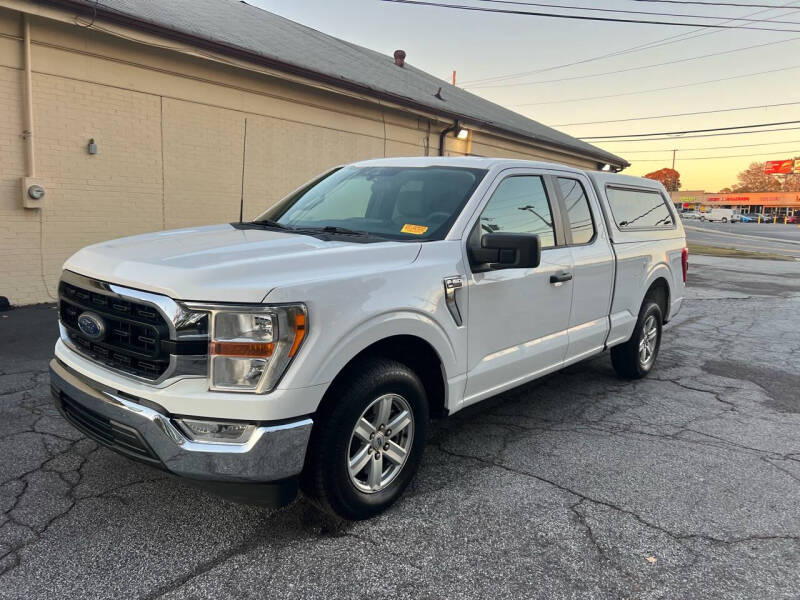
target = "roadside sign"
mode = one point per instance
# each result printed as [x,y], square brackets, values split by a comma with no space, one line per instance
[773,167]
[796,166]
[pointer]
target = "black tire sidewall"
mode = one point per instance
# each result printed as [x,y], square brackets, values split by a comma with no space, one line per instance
[384,377]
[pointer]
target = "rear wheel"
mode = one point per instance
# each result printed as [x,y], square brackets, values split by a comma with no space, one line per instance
[366,447]
[724,219]
[635,358]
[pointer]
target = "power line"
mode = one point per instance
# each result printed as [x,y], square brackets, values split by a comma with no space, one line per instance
[641,135]
[687,158]
[629,69]
[709,147]
[704,135]
[687,114]
[586,17]
[712,3]
[672,39]
[635,12]
[661,89]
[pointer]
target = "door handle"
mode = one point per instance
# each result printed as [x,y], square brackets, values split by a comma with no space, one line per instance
[560,277]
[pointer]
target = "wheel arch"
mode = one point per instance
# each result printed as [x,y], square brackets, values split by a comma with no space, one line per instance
[416,353]
[658,290]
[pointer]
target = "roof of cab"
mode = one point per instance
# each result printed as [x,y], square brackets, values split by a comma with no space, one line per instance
[473,162]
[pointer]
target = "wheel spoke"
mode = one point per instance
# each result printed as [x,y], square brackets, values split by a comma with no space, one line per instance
[359,460]
[395,453]
[375,472]
[363,430]
[400,422]
[384,409]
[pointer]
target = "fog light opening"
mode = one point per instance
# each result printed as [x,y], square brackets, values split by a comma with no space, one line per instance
[220,432]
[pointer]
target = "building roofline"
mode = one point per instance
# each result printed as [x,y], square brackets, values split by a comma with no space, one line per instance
[101,11]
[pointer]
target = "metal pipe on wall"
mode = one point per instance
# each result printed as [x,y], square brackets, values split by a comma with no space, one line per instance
[30,163]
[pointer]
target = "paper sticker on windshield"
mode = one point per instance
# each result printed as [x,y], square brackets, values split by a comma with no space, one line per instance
[415,229]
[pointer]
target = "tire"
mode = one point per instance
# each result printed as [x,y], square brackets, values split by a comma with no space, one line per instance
[724,219]
[630,360]
[361,398]
[703,219]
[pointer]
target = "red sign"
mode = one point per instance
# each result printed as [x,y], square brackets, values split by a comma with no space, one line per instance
[773,167]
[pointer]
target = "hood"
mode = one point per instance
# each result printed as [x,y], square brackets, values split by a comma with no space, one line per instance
[223,264]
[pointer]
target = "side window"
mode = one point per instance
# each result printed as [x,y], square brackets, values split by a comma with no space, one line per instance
[637,209]
[520,205]
[578,212]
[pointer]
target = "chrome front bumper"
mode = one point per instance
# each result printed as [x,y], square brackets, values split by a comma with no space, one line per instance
[135,428]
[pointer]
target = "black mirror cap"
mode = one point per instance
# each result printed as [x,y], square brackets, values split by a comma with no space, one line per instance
[507,251]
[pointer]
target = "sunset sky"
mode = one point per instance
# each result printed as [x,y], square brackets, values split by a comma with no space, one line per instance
[480,45]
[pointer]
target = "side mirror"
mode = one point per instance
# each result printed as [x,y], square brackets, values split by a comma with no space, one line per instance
[506,251]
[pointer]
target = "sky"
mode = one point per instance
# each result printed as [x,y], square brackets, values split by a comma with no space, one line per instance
[482,45]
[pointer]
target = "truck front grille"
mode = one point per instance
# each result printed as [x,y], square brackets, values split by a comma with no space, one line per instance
[135,338]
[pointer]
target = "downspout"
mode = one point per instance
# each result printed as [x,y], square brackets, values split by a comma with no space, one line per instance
[27,133]
[442,136]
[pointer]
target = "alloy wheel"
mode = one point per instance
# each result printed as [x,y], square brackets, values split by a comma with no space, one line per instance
[648,341]
[380,443]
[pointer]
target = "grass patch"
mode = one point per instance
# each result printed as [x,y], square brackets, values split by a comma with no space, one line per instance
[705,250]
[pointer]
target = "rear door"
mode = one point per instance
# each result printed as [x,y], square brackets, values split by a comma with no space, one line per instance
[518,318]
[593,266]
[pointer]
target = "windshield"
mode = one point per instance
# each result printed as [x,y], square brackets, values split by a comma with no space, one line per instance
[399,203]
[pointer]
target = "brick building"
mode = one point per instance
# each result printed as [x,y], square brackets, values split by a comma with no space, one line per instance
[131,116]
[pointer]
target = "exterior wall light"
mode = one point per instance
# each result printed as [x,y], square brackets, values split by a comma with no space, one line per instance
[463,134]
[92,147]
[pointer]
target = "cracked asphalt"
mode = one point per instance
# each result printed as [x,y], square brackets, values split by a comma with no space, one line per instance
[580,485]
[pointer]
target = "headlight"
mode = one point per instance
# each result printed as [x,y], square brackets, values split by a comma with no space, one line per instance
[251,347]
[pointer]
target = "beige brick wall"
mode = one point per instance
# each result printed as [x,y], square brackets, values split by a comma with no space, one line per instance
[169,128]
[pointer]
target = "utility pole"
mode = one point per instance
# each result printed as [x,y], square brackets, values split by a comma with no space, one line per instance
[454,77]
[673,159]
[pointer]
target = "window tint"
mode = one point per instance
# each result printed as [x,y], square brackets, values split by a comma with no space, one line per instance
[520,205]
[578,211]
[634,209]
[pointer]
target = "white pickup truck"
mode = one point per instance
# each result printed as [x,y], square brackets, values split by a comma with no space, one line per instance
[310,347]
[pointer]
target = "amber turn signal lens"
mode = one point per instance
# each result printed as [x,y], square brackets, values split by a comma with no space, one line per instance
[299,333]
[246,349]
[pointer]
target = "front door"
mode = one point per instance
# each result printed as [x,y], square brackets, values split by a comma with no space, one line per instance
[518,318]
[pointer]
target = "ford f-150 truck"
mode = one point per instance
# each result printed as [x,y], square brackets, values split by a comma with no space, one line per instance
[310,346]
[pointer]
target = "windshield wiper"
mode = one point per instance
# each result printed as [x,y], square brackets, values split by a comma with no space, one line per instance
[271,223]
[335,229]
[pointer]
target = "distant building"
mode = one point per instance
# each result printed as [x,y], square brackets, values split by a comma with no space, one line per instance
[138,121]
[780,203]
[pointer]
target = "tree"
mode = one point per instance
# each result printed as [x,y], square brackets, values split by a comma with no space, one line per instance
[753,179]
[670,178]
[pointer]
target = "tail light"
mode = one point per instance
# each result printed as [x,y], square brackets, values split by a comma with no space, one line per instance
[685,263]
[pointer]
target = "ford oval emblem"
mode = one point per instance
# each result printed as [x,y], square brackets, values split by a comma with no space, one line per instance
[91,325]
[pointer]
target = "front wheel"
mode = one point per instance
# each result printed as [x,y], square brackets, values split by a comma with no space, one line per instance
[635,358]
[724,219]
[368,441]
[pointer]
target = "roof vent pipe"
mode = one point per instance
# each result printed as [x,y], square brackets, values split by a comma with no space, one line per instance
[400,57]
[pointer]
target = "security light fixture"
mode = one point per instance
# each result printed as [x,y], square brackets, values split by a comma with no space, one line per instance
[462,134]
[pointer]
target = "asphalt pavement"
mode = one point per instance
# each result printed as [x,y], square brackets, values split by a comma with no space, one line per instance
[752,237]
[580,485]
